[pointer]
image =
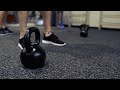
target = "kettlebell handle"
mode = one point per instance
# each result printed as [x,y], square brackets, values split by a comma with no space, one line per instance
[28,36]
[84,26]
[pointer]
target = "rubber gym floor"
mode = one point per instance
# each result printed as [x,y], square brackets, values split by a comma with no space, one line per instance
[94,57]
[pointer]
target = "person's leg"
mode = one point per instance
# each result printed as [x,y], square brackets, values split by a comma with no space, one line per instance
[6,29]
[59,19]
[4,20]
[49,37]
[23,17]
[47,22]
[2,15]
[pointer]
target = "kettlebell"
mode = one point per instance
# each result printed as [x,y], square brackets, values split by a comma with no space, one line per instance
[84,30]
[33,55]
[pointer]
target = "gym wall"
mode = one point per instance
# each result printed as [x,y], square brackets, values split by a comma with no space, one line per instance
[107,19]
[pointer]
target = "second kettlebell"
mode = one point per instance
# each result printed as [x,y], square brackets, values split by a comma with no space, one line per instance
[84,30]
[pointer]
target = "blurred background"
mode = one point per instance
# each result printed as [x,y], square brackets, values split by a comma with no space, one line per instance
[98,19]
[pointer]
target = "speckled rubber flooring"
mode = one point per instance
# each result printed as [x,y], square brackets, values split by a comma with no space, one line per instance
[95,57]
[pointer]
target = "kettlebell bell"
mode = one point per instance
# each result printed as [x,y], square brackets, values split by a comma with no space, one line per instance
[33,55]
[84,30]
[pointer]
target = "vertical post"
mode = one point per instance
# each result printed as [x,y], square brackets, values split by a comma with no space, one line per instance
[100,20]
[87,17]
[69,19]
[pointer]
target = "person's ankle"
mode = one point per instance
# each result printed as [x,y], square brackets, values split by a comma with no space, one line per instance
[3,27]
[21,37]
[47,34]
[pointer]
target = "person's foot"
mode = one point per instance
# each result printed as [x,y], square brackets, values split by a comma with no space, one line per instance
[60,26]
[7,30]
[52,39]
[2,32]
[21,43]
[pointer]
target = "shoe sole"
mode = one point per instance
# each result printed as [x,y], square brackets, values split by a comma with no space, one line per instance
[6,34]
[49,42]
[2,34]
[19,45]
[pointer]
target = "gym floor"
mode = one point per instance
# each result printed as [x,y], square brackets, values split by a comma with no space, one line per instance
[95,57]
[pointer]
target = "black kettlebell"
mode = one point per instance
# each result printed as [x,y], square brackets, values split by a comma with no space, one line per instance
[32,56]
[84,30]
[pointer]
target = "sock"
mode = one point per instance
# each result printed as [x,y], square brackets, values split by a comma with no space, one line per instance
[3,27]
[47,34]
[21,37]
